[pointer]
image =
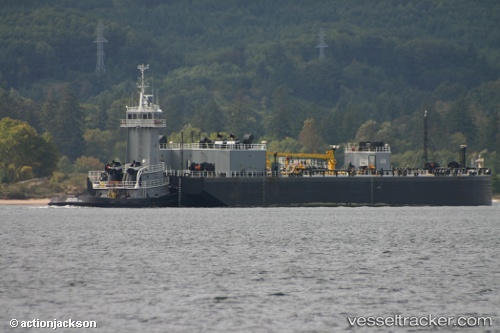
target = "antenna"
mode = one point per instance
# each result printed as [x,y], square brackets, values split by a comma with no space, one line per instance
[100,68]
[142,85]
[322,45]
[425,140]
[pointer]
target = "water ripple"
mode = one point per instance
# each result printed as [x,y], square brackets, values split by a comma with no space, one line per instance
[248,270]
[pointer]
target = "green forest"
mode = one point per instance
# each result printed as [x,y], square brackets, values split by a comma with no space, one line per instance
[249,67]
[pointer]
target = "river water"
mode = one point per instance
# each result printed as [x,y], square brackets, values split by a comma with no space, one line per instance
[249,269]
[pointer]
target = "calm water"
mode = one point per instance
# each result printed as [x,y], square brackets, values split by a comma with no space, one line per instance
[248,270]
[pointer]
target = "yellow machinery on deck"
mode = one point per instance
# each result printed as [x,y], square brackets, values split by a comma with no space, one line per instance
[296,169]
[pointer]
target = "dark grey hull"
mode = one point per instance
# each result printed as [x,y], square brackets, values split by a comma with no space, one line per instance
[91,201]
[334,191]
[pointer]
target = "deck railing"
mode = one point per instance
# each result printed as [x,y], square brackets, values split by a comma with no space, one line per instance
[148,169]
[118,184]
[98,182]
[445,172]
[143,123]
[356,149]
[212,174]
[214,145]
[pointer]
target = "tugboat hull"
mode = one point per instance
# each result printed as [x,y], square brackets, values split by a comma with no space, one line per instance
[90,201]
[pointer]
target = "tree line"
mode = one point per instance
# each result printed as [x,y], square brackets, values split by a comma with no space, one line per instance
[222,66]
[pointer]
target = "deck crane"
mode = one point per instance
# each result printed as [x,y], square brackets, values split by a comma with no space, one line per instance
[298,168]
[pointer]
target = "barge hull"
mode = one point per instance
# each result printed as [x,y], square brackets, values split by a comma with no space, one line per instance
[334,191]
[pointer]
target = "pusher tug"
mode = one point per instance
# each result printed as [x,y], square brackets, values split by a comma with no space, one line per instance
[143,182]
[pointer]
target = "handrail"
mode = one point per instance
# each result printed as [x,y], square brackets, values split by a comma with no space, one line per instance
[144,108]
[115,184]
[154,168]
[225,174]
[143,123]
[356,149]
[328,173]
[147,169]
[223,146]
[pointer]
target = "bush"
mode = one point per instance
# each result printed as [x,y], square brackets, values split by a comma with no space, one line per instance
[84,164]
[16,195]
[26,173]
[65,165]
[58,177]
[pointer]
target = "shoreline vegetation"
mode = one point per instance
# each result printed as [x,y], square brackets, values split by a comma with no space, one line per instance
[30,202]
[39,191]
